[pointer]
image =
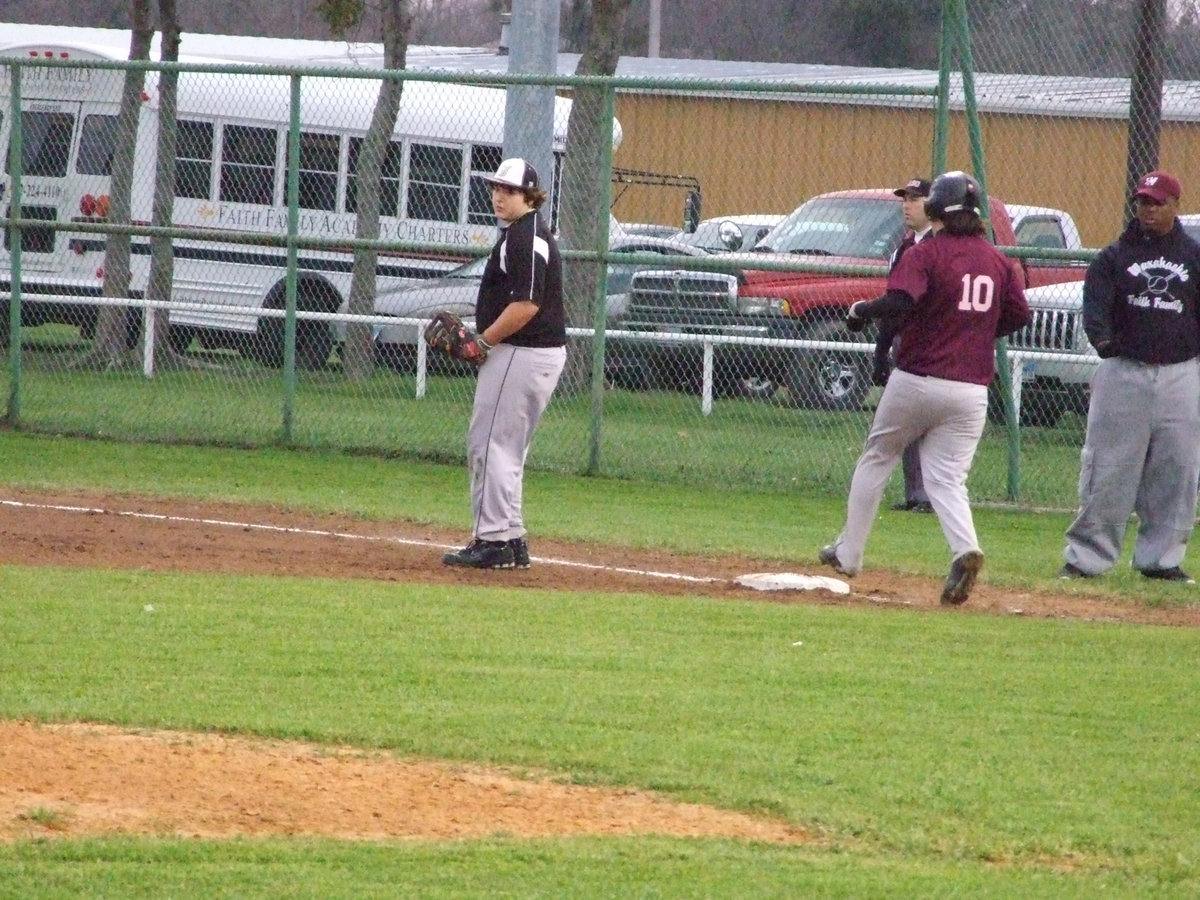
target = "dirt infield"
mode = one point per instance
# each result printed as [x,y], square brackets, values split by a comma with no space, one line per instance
[107,781]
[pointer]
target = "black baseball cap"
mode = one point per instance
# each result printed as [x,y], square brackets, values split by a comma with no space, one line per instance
[917,187]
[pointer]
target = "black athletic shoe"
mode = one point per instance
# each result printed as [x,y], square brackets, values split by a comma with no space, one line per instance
[520,551]
[920,506]
[480,554]
[1172,574]
[1069,572]
[963,572]
[828,555]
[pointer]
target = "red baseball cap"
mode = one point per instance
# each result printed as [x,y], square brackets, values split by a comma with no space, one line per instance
[1158,186]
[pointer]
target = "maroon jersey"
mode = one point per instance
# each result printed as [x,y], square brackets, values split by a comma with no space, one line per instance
[967,293]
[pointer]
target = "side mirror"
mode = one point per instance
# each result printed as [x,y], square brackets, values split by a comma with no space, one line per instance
[691,211]
[731,235]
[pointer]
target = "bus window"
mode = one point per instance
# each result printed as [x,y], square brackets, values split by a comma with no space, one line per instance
[96,143]
[248,164]
[434,183]
[193,159]
[389,188]
[46,141]
[485,160]
[318,174]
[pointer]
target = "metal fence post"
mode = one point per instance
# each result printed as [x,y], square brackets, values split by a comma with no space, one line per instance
[13,415]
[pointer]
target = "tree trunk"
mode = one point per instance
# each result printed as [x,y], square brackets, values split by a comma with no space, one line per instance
[109,345]
[586,187]
[162,259]
[358,352]
[1145,95]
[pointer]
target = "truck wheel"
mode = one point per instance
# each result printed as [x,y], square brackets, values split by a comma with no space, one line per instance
[751,387]
[741,379]
[630,375]
[180,337]
[1040,410]
[1040,407]
[401,358]
[830,379]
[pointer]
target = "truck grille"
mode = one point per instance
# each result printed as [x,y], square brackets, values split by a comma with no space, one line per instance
[682,291]
[1051,329]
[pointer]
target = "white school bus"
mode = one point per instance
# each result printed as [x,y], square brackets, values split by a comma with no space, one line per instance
[231,175]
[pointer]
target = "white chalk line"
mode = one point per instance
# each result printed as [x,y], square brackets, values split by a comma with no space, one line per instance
[314,532]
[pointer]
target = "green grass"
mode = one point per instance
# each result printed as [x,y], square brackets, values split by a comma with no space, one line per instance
[916,744]
[658,436]
[934,754]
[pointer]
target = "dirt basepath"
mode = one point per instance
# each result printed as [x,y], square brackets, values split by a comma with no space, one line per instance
[104,780]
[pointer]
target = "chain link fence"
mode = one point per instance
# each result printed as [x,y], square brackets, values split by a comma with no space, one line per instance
[752,205]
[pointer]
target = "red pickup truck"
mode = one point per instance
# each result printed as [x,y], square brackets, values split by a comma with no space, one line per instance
[851,232]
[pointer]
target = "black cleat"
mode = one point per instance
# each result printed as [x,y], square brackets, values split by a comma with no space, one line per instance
[1172,574]
[920,506]
[963,572]
[520,551]
[828,555]
[480,554]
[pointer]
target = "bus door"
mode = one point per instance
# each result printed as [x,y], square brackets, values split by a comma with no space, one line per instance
[48,129]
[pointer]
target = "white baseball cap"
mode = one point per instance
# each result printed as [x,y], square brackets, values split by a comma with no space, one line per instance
[514,173]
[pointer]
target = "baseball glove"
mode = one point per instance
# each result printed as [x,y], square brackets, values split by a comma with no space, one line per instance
[447,334]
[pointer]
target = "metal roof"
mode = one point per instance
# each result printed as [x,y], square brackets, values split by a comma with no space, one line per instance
[998,93]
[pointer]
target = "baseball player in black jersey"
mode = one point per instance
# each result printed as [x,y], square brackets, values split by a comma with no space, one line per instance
[1141,303]
[521,330]
[958,293]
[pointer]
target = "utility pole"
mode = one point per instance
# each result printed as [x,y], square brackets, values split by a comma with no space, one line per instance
[529,108]
[652,48]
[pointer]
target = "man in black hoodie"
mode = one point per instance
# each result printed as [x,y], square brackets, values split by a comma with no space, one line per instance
[1141,311]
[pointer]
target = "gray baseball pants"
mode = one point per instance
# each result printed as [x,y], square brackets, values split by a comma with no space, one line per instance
[947,417]
[1141,454]
[513,390]
[914,484]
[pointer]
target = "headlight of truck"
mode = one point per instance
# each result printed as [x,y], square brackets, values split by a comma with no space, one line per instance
[762,306]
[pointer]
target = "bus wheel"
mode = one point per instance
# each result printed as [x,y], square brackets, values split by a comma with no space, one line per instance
[265,346]
[314,343]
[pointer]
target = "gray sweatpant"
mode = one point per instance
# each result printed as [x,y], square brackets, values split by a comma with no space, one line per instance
[947,417]
[1141,454]
[514,388]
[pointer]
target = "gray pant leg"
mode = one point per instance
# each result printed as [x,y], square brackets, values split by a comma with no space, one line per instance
[891,431]
[914,483]
[1110,470]
[1166,498]
[947,451]
[513,390]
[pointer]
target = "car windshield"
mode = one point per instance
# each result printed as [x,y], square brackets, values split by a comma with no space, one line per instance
[839,226]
